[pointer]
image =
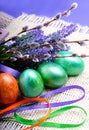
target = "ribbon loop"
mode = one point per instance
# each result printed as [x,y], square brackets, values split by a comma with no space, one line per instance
[53,114]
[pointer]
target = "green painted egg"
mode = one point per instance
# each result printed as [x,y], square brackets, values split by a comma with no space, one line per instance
[53,75]
[31,83]
[72,65]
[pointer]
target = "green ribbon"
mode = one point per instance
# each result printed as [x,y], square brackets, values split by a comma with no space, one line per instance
[53,114]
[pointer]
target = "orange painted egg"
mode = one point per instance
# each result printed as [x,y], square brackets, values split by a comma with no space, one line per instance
[9,89]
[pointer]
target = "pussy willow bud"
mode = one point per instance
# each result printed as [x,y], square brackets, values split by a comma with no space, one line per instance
[74,5]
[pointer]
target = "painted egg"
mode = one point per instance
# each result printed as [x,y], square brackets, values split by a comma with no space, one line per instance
[31,83]
[72,65]
[53,75]
[9,89]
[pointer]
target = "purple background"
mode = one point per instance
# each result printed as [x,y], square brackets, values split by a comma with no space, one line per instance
[48,8]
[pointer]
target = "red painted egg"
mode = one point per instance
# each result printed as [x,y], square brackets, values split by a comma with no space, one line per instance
[9,89]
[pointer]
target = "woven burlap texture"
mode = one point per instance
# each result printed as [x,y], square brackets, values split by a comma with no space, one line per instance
[73,116]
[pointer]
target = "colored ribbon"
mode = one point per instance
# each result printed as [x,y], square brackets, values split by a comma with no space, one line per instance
[53,114]
[55,104]
[51,124]
[6,69]
[27,100]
